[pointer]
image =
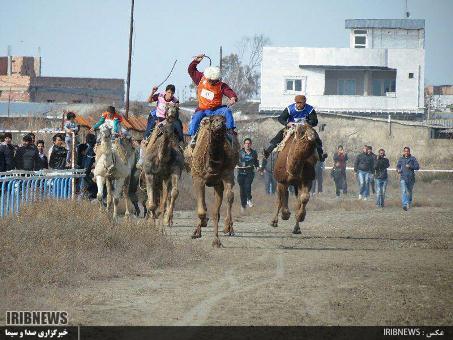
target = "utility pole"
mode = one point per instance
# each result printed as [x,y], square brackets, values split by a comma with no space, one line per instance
[128,82]
[220,60]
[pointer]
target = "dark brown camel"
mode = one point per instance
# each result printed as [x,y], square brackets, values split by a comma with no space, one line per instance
[295,166]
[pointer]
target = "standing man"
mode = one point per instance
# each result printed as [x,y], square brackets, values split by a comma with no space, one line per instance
[210,91]
[267,168]
[248,161]
[372,184]
[380,177]
[7,150]
[316,184]
[44,164]
[339,171]
[27,157]
[295,113]
[363,166]
[406,167]
[57,159]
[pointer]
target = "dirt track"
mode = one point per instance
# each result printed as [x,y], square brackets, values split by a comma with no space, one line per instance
[376,267]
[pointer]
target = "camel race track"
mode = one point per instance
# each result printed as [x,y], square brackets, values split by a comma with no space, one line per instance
[353,264]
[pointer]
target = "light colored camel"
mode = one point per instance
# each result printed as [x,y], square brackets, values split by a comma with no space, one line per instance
[295,166]
[114,161]
[212,164]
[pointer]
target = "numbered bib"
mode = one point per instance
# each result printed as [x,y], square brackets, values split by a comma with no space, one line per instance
[207,94]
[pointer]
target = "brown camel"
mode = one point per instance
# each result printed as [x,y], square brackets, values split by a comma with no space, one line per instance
[295,166]
[163,164]
[212,164]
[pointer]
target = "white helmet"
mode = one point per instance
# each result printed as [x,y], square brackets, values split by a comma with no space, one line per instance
[212,73]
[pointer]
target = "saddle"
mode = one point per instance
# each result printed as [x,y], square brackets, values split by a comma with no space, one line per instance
[286,136]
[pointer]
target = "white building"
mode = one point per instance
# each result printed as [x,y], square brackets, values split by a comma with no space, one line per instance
[381,71]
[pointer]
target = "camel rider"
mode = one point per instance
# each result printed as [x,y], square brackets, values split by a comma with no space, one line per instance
[210,91]
[295,113]
[111,119]
[158,114]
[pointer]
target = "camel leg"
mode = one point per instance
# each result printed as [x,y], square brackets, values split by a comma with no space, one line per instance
[285,210]
[100,182]
[108,185]
[218,197]
[280,196]
[163,203]
[116,197]
[199,188]
[304,196]
[229,193]
[151,201]
[127,202]
[173,196]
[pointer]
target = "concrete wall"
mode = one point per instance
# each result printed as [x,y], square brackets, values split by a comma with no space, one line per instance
[283,62]
[353,133]
[391,38]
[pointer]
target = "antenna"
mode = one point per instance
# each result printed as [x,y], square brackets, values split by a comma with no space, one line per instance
[406,11]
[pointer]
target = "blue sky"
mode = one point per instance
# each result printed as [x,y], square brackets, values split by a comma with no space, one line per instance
[89,38]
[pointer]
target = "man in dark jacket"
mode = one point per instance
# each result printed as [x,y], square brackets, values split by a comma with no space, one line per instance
[267,169]
[43,164]
[406,167]
[339,171]
[248,161]
[296,113]
[363,167]
[57,158]
[380,177]
[7,150]
[372,184]
[27,157]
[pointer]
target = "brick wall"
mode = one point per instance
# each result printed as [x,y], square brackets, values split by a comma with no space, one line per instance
[83,90]
[14,88]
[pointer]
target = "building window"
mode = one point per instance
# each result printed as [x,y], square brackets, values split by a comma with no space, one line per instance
[411,75]
[77,101]
[346,87]
[382,86]
[295,85]
[51,100]
[360,38]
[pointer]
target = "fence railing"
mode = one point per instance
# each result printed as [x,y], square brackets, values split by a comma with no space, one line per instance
[18,188]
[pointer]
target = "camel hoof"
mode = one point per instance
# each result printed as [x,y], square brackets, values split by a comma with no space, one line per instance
[296,230]
[274,224]
[196,235]
[286,215]
[216,243]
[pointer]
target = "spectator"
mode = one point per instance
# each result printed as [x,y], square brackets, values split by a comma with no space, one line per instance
[33,138]
[380,175]
[372,185]
[57,159]
[88,187]
[406,167]
[248,160]
[27,157]
[363,166]
[316,184]
[267,168]
[339,171]
[7,151]
[43,164]
[70,128]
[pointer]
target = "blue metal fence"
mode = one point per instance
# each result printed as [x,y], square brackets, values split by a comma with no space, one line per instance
[18,188]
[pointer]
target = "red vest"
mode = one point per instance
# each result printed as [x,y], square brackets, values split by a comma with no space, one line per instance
[209,96]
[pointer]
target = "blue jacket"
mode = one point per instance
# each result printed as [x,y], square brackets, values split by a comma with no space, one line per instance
[407,173]
[296,115]
[247,161]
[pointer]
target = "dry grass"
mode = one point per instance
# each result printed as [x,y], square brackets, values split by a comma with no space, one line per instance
[67,243]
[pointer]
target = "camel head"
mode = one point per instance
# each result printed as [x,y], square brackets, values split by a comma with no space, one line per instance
[106,132]
[171,112]
[305,132]
[218,125]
